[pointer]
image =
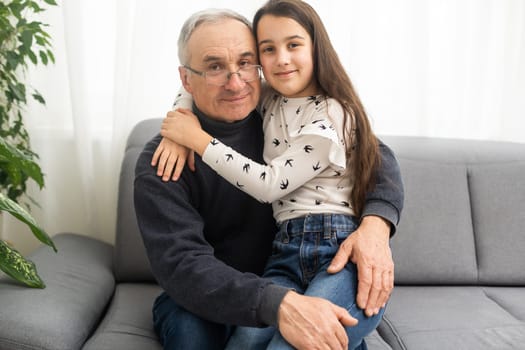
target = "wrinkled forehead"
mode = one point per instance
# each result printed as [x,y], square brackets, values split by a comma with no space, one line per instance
[227,41]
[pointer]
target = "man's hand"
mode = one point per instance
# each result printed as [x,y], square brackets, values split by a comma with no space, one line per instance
[313,323]
[369,249]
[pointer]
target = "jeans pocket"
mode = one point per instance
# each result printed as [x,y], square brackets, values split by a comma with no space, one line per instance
[341,235]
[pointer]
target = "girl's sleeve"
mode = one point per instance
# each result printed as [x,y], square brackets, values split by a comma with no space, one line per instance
[183,99]
[306,157]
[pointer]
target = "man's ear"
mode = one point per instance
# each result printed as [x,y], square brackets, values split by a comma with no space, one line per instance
[184,78]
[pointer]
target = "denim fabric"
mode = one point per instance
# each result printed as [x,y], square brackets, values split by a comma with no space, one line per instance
[302,251]
[179,329]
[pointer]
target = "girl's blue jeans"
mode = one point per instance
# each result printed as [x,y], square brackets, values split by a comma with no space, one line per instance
[302,251]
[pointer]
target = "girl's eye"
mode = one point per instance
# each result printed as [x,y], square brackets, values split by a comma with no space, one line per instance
[267,49]
[293,45]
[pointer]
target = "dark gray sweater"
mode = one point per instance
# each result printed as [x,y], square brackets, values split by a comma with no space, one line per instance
[208,241]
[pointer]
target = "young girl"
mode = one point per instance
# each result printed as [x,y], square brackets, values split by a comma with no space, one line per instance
[321,155]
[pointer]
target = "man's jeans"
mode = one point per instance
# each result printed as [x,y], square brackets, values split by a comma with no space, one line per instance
[179,329]
[302,251]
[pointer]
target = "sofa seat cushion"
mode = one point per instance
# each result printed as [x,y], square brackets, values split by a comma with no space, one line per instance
[79,282]
[432,318]
[509,298]
[128,322]
[375,342]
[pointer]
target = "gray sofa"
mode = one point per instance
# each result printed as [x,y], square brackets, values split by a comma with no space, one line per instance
[459,254]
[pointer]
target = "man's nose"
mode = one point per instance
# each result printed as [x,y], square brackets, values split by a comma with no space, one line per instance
[235,83]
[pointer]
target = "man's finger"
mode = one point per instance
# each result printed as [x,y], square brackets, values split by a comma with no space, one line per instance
[344,317]
[341,258]
[375,289]
[364,282]
[346,321]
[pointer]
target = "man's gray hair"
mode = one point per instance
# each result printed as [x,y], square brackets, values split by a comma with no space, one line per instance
[206,16]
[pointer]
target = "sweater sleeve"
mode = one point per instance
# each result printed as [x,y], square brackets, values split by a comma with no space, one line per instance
[183,261]
[387,198]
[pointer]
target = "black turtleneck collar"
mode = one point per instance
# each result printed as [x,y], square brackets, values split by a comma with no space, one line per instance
[222,129]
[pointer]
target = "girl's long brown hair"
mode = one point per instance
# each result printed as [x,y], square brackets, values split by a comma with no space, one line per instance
[362,148]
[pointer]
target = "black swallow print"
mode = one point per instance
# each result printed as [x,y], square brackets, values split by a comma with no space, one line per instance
[308,148]
[284,184]
[276,142]
[317,166]
[289,163]
[262,176]
[229,157]
[214,142]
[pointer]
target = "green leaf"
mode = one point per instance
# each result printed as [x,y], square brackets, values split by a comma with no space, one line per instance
[21,214]
[43,57]
[32,57]
[21,162]
[39,97]
[18,267]
[50,2]
[13,59]
[18,91]
[27,39]
[51,56]
[35,7]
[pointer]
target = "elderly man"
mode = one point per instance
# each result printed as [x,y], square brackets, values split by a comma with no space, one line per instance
[208,242]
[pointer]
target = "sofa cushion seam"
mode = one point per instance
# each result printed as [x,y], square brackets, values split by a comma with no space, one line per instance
[394,331]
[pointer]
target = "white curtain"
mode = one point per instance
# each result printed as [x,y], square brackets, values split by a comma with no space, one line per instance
[445,68]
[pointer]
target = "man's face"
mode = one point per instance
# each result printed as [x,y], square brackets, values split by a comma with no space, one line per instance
[228,45]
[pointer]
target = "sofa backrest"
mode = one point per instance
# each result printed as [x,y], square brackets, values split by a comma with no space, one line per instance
[464,208]
[461,224]
[130,261]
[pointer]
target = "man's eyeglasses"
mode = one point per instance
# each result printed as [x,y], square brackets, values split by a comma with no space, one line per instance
[220,77]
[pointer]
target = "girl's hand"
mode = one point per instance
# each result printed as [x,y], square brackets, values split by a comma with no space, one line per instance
[180,126]
[171,158]
[183,127]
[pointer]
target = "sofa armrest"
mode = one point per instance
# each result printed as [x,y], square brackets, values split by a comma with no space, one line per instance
[79,284]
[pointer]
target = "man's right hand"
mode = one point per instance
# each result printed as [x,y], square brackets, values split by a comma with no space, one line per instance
[313,323]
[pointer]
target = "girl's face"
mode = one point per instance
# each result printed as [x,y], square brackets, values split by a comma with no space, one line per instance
[286,54]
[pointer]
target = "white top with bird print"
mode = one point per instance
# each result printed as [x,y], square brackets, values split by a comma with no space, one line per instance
[305,153]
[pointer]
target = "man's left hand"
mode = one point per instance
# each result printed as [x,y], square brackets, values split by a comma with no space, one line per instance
[368,247]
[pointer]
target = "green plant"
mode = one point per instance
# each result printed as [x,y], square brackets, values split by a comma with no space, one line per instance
[23,41]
